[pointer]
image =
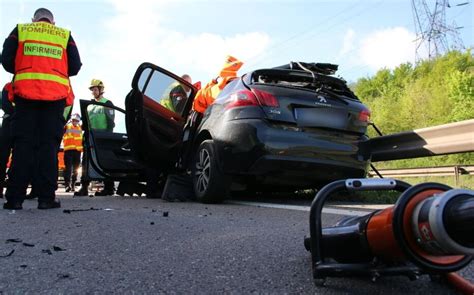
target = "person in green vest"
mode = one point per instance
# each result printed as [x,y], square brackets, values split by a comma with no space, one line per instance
[100,119]
[176,95]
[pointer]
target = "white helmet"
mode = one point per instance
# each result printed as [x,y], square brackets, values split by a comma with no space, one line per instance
[76,117]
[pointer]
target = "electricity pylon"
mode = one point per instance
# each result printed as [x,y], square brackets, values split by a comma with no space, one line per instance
[433,35]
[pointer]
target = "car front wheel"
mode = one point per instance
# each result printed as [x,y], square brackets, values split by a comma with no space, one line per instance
[210,184]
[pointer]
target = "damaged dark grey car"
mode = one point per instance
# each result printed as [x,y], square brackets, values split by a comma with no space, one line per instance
[278,129]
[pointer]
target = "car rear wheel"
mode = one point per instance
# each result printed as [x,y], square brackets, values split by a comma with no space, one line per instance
[210,184]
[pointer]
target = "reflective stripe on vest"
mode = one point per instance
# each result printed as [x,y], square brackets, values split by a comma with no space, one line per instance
[72,138]
[41,63]
[39,76]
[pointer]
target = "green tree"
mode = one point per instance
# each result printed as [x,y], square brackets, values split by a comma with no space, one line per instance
[432,92]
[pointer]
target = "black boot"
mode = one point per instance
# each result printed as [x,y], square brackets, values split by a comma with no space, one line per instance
[12,205]
[68,187]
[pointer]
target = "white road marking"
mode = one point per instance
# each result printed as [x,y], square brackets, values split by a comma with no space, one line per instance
[302,208]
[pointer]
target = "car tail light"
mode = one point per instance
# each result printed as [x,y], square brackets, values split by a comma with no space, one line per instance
[251,98]
[364,116]
[242,98]
[266,99]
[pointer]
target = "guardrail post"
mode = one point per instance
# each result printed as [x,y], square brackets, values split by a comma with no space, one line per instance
[456,175]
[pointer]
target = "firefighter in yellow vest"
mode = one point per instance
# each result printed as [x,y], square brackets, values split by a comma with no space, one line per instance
[72,141]
[42,57]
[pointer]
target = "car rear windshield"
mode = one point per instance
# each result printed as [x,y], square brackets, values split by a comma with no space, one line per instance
[303,80]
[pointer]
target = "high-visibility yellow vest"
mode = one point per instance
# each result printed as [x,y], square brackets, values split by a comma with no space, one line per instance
[72,138]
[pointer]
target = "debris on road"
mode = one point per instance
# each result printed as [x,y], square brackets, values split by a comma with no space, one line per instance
[69,211]
[28,245]
[56,248]
[13,241]
[9,254]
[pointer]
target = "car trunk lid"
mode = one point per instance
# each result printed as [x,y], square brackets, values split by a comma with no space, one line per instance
[308,100]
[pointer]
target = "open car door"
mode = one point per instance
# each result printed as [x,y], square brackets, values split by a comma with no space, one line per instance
[107,147]
[156,111]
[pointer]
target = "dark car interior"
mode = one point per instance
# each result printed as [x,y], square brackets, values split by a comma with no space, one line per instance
[318,81]
[110,152]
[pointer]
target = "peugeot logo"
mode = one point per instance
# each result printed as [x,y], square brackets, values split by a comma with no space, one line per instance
[322,99]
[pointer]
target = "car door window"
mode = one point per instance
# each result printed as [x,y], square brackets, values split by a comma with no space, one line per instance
[144,78]
[165,90]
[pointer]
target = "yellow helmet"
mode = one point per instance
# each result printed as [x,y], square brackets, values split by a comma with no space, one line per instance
[96,83]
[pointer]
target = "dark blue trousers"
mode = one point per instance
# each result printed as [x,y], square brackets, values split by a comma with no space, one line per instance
[37,128]
[5,148]
[72,160]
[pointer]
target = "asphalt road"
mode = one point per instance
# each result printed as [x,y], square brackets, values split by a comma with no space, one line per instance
[138,245]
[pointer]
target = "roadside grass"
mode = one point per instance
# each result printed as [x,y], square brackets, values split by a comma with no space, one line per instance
[390,197]
[363,197]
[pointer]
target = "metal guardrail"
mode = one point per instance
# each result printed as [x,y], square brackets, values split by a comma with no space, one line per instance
[426,171]
[438,140]
[455,171]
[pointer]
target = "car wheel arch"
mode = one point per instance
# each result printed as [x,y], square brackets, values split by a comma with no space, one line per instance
[209,183]
[202,136]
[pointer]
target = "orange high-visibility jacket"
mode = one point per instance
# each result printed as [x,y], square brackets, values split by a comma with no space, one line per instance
[41,65]
[72,138]
[206,95]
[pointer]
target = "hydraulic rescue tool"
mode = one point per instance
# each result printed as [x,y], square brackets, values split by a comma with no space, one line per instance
[430,230]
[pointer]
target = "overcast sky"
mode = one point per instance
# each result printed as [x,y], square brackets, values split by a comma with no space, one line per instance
[194,36]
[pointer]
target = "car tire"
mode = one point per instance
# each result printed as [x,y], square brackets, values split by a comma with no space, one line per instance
[209,183]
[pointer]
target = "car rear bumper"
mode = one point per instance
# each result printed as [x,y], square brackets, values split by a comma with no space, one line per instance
[286,155]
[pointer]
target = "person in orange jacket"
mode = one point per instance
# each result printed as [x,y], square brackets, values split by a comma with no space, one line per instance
[203,99]
[206,95]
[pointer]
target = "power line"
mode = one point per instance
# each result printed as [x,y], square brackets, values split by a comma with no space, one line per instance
[285,44]
[436,19]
